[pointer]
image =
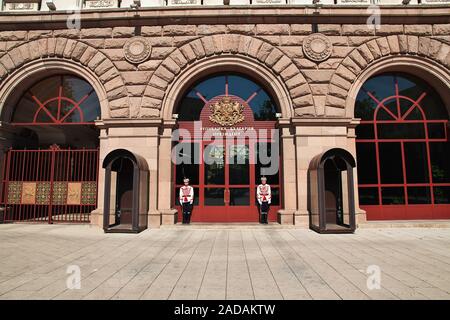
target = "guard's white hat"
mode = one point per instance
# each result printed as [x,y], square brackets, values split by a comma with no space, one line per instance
[263,179]
[186,180]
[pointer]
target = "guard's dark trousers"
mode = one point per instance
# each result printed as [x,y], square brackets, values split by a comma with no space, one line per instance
[264,212]
[187,210]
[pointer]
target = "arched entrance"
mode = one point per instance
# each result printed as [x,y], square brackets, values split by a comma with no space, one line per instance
[50,168]
[126,192]
[226,140]
[403,149]
[331,192]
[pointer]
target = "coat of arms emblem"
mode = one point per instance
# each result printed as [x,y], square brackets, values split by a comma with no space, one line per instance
[227,112]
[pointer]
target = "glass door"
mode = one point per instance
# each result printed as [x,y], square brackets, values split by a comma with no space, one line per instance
[225,180]
[227,176]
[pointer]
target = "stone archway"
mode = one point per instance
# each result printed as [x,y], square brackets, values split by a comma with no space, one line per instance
[51,54]
[422,53]
[239,47]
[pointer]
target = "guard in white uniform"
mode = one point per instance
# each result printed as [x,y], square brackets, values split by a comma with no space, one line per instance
[187,200]
[264,197]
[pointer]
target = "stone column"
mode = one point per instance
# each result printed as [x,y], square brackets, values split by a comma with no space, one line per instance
[304,151]
[96,216]
[168,214]
[351,147]
[289,184]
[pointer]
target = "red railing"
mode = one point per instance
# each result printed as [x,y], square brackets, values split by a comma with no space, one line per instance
[54,185]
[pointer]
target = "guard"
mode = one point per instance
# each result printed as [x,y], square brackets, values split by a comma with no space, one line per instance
[186,200]
[263,194]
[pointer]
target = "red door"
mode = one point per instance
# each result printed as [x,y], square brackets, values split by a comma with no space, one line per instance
[225,177]
[225,190]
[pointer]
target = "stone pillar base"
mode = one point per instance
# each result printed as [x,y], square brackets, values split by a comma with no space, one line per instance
[360,217]
[169,216]
[154,219]
[302,219]
[286,217]
[96,217]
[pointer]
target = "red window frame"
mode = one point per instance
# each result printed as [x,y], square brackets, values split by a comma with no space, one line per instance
[59,118]
[406,211]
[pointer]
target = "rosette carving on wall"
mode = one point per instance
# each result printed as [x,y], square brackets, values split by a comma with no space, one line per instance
[137,50]
[317,47]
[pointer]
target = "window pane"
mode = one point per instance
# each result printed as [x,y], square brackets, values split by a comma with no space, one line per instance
[187,168]
[442,195]
[211,87]
[75,92]
[391,163]
[239,196]
[261,103]
[263,107]
[440,163]
[436,130]
[365,106]
[368,196]
[367,163]
[214,197]
[416,162]
[390,107]
[190,108]
[239,168]
[264,159]
[365,131]
[401,131]
[214,165]
[419,195]
[393,195]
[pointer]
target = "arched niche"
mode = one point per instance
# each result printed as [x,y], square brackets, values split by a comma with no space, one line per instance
[331,198]
[126,192]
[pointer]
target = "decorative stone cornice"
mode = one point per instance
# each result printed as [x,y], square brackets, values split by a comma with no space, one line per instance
[207,15]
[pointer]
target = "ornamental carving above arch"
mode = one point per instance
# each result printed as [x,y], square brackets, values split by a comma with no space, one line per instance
[221,45]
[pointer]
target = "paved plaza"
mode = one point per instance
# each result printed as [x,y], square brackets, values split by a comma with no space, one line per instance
[245,262]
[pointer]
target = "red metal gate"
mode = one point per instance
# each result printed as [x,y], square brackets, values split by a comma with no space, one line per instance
[54,185]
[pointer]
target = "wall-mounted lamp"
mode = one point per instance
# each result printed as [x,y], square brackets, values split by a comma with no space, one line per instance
[278,115]
[175,115]
[51,5]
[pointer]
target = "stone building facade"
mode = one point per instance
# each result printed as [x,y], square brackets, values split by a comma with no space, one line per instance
[312,60]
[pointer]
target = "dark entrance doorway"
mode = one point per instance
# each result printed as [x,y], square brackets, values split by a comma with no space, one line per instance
[126,192]
[333,193]
[124,197]
[331,200]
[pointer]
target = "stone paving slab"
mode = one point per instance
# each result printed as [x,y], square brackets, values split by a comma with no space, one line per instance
[246,262]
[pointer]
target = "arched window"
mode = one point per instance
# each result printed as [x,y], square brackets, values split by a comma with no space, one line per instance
[403,149]
[251,92]
[58,100]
